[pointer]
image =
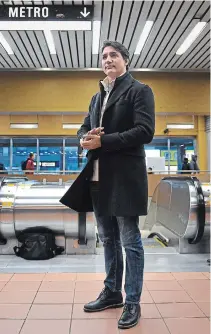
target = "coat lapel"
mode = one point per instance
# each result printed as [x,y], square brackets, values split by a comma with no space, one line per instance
[97,111]
[122,84]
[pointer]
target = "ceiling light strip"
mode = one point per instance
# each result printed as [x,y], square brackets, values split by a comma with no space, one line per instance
[71,126]
[96,37]
[50,41]
[45,25]
[180,126]
[144,35]
[23,125]
[195,32]
[5,44]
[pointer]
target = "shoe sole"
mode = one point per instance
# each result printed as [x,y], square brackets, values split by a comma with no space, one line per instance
[130,326]
[105,308]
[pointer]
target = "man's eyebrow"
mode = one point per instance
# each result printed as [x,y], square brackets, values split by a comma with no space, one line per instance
[109,52]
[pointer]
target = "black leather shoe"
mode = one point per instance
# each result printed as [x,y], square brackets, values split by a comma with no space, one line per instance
[107,299]
[130,316]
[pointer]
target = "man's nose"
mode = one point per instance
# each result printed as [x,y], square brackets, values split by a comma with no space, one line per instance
[109,60]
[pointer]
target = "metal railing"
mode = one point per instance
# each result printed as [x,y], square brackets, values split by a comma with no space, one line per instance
[69,172]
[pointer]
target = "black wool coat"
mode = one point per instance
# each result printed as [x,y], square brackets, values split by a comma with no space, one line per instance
[129,123]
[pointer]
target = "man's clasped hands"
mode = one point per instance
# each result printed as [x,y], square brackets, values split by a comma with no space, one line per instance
[91,140]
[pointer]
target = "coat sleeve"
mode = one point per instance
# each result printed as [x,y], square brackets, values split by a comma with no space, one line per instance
[144,124]
[86,126]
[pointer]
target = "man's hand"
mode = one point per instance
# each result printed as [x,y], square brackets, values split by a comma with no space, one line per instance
[91,142]
[86,137]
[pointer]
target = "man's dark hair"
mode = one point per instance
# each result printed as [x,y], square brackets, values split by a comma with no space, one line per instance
[31,155]
[120,48]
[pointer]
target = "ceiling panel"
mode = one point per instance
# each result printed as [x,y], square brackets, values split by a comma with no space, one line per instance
[66,48]
[170,48]
[72,41]
[147,13]
[122,21]
[159,21]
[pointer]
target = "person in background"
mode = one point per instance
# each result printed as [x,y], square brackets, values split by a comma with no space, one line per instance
[193,164]
[2,169]
[186,166]
[30,164]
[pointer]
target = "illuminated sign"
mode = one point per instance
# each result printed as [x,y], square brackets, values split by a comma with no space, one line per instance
[49,13]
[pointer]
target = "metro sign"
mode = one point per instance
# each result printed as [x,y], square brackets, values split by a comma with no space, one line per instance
[46,13]
[29,12]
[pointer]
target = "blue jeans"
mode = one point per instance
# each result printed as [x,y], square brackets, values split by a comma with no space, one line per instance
[115,232]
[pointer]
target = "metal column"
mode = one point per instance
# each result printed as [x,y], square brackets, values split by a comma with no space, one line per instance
[64,167]
[169,154]
[11,155]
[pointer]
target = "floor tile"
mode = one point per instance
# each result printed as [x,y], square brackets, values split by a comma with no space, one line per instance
[82,297]
[50,312]
[148,311]
[148,326]
[200,295]
[158,277]
[60,277]
[184,276]
[205,307]
[90,277]
[180,310]
[27,277]
[184,326]
[94,326]
[54,297]
[89,286]
[22,286]
[146,298]
[46,326]
[170,297]
[207,275]
[10,326]
[14,311]
[163,285]
[195,284]
[2,284]
[57,286]
[78,313]
[20,297]
[5,277]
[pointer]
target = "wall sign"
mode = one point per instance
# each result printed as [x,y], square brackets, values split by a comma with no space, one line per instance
[46,13]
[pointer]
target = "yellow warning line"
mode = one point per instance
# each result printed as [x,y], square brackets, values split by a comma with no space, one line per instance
[159,242]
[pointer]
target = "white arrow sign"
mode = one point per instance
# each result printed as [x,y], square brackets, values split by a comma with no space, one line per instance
[84,13]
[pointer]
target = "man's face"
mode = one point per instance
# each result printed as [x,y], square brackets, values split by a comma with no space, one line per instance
[113,63]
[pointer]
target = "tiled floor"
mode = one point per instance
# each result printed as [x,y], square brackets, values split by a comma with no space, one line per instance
[172,303]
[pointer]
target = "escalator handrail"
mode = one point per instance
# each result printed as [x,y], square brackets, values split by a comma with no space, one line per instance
[201,210]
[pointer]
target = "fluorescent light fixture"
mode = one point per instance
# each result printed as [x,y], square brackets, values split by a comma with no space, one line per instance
[23,125]
[180,126]
[45,25]
[96,37]
[5,44]
[191,38]
[71,126]
[50,41]
[143,37]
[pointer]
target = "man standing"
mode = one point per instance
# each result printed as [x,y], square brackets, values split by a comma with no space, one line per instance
[120,121]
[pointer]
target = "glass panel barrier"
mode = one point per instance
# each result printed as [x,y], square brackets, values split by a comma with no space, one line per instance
[4,155]
[50,155]
[21,148]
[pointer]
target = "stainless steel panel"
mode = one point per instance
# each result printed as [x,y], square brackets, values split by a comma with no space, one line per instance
[174,205]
